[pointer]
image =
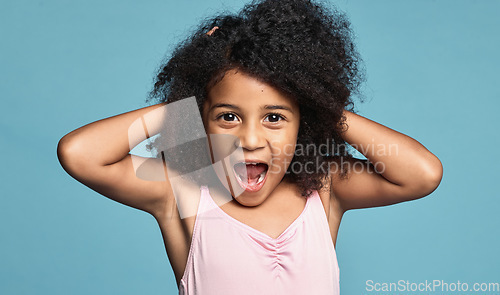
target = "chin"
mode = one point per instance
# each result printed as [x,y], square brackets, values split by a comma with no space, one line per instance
[249,201]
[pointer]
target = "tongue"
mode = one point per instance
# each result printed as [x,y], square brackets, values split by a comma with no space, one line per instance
[252,171]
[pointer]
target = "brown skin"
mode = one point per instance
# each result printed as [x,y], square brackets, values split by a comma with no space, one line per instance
[97,156]
[265,121]
[407,170]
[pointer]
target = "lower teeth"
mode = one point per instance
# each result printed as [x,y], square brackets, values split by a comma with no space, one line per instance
[261,177]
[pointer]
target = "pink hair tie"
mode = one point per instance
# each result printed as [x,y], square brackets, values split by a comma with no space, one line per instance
[212,30]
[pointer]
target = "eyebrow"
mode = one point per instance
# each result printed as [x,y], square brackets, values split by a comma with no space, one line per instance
[224,105]
[278,107]
[267,107]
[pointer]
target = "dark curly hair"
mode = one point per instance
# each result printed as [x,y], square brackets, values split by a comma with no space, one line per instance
[297,46]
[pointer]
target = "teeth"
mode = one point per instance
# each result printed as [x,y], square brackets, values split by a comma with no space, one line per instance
[239,177]
[261,177]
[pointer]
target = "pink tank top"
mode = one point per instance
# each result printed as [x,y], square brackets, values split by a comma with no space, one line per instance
[228,257]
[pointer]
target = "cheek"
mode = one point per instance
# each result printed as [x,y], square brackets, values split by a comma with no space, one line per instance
[225,146]
[215,142]
[283,151]
[289,143]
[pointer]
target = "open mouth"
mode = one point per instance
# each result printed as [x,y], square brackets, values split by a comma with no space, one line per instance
[251,176]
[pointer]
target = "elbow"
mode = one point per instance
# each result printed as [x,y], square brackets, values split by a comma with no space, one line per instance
[432,174]
[63,146]
[61,149]
[67,153]
[62,152]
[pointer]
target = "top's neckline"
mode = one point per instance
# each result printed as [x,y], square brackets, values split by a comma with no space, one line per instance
[265,236]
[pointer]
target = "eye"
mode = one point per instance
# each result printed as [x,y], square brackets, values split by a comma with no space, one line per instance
[228,117]
[274,118]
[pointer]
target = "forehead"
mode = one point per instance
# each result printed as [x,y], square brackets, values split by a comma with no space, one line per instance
[239,88]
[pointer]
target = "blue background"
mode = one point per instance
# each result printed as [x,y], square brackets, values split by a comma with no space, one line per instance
[432,73]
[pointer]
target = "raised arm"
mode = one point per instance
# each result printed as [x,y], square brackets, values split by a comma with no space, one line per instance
[97,155]
[398,169]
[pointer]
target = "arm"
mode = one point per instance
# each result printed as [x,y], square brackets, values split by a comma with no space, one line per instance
[97,155]
[398,169]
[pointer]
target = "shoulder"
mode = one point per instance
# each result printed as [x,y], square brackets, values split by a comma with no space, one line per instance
[330,203]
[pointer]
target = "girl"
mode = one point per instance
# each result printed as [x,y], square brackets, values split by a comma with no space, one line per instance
[252,173]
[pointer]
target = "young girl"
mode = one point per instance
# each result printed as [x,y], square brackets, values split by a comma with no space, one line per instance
[252,173]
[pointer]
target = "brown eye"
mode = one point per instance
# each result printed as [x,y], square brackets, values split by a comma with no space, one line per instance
[274,118]
[228,117]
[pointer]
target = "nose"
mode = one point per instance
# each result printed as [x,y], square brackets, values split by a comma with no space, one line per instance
[251,136]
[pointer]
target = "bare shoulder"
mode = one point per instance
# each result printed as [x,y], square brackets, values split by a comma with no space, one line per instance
[333,211]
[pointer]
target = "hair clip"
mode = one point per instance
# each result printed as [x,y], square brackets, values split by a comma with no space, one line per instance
[212,30]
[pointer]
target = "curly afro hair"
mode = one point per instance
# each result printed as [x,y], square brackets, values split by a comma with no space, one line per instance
[297,46]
